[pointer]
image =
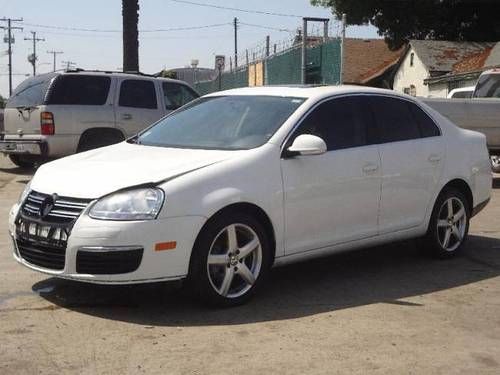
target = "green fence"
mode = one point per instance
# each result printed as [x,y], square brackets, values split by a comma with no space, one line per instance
[323,66]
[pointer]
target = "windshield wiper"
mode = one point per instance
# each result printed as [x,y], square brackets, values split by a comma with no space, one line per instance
[134,140]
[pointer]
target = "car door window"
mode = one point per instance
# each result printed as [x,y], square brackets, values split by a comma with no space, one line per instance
[427,126]
[136,93]
[341,123]
[176,95]
[394,119]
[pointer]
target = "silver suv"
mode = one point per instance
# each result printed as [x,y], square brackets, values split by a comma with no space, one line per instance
[62,113]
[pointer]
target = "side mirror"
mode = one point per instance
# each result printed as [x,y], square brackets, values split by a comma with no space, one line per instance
[307,144]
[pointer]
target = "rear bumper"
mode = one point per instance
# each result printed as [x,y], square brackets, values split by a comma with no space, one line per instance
[24,147]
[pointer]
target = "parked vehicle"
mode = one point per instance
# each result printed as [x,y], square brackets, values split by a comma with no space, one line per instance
[488,84]
[59,114]
[239,181]
[462,93]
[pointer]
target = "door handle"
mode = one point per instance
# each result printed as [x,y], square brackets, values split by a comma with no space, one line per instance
[369,168]
[434,158]
[126,116]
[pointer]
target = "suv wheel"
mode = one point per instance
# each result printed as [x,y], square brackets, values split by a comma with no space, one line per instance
[495,163]
[22,162]
[449,224]
[230,260]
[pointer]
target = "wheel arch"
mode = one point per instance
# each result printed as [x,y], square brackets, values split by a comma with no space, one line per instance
[462,186]
[253,210]
[99,132]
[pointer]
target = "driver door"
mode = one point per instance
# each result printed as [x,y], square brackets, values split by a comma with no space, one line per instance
[334,197]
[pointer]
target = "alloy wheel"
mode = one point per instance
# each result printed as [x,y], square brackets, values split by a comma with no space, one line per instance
[452,224]
[234,261]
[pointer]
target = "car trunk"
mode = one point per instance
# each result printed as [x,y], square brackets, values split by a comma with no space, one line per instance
[23,109]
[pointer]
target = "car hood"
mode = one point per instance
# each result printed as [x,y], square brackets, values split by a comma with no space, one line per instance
[99,172]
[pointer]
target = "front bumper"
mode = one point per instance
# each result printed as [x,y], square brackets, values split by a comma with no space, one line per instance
[89,235]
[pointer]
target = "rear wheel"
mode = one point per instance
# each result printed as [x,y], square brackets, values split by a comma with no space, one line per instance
[230,260]
[449,224]
[23,161]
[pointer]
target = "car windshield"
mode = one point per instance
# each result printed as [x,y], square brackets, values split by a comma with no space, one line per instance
[222,122]
[31,92]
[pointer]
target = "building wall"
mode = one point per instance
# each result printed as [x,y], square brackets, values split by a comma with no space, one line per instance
[408,75]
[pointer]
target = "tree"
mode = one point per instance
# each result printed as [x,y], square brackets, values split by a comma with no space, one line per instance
[399,21]
[130,14]
[2,101]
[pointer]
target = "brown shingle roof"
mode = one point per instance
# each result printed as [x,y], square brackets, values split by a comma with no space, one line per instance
[473,62]
[367,58]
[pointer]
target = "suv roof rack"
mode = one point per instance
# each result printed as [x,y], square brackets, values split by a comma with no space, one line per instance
[79,70]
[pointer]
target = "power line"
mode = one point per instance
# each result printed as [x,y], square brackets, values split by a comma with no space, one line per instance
[34,57]
[267,13]
[10,40]
[182,28]
[54,56]
[266,27]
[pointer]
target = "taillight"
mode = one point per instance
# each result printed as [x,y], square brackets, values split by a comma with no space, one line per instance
[47,126]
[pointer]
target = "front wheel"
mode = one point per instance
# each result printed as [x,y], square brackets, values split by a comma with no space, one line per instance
[449,224]
[495,163]
[230,260]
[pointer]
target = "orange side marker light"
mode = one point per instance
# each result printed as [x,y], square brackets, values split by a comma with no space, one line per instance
[162,246]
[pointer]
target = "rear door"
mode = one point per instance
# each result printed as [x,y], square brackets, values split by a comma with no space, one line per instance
[137,105]
[80,102]
[412,154]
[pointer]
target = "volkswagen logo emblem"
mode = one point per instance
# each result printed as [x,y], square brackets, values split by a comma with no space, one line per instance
[47,205]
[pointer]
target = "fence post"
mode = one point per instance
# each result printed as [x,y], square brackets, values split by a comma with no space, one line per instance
[304,51]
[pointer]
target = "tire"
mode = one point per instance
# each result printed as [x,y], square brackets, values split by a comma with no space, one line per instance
[96,139]
[447,232]
[495,163]
[235,273]
[21,162]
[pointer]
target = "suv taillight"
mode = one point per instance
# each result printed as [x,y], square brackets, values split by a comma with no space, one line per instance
[47,126]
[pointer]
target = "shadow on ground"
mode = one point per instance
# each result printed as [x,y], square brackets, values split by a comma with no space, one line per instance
[385,274]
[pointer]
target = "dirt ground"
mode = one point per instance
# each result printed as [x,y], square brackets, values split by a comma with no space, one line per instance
[385,310]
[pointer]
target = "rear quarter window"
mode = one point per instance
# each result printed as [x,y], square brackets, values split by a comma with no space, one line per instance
[79,90]
[31,92]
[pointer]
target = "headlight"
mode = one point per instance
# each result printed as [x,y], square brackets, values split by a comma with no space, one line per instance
[139,204]
[25,192]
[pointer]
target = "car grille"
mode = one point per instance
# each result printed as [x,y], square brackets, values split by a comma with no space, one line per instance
[42,233]
[64,210]
[110,262]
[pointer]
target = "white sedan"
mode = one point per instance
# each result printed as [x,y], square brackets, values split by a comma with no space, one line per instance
[239,181]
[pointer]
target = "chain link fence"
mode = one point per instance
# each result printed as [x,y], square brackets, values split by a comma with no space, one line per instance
[282,68]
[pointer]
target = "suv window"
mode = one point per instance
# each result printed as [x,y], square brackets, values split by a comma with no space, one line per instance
[137,93]
[176,95]
[31,92]
[341,123]
[79,90]
[394,119]
[427,126]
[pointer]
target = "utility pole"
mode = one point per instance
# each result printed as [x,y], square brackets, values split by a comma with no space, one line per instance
[55,53]
[235,43]
[342,48]
[10,40]
[69,64]
[34,58]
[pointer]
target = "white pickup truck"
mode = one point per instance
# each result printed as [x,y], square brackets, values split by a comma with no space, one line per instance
[481,113]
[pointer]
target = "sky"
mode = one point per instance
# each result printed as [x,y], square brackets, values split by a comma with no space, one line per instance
[55,21]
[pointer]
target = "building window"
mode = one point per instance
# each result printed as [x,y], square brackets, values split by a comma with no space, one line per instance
[412,59]
[413,90]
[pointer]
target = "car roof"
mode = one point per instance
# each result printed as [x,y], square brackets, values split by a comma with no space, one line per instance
[118,74]
[306,91]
